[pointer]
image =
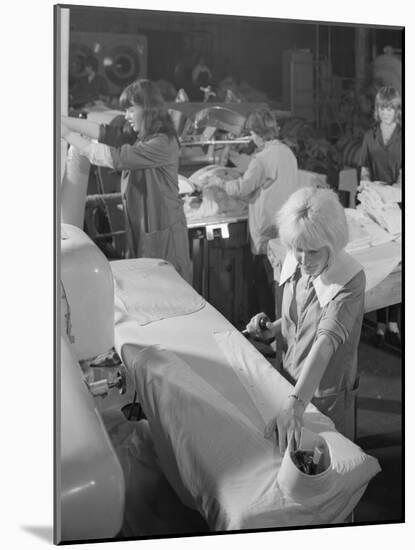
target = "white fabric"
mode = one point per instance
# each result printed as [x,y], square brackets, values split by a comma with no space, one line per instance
[331,281]
[207,395]
[387,193]
[219,462]
[152,289]
[260,379]
[359,236]
[379,201]
[185,185]
[99,154]
[378,261]
[359,220]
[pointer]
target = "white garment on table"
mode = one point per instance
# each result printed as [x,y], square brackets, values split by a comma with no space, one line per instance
[151,290]
[218,460]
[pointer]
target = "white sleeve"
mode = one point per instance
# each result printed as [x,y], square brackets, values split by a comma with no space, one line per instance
[98,154]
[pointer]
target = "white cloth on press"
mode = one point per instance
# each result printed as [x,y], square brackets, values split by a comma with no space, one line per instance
[151,289]
[218,460]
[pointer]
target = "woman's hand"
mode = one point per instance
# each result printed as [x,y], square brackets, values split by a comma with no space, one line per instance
[214,181]
[287,424]
[256,329]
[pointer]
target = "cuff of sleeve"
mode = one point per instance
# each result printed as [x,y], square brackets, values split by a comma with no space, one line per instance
[332,336]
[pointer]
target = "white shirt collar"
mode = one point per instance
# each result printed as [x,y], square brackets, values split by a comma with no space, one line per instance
[330,281]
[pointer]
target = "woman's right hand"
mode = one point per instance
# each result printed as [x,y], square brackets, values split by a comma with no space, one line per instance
[256,330]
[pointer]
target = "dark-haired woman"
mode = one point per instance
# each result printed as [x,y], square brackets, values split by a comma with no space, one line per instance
[155,221]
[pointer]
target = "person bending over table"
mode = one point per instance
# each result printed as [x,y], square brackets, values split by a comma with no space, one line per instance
[321,314]
[154,216]
[271,177]
[381,160]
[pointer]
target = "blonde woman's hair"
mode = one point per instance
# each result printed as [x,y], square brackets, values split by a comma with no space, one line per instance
[312,218]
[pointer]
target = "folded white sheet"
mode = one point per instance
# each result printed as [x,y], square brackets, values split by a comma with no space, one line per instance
[218,460]
[151,289]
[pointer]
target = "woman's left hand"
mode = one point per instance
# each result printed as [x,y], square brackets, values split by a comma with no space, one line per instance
[287,424]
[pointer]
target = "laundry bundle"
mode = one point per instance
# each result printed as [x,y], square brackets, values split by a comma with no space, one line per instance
[213,200]
[380,203]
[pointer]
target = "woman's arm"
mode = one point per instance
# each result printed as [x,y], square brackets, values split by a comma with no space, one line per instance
[82,126]
[289,421]
[244,186]
[97,153]
[152,153]
[334,328]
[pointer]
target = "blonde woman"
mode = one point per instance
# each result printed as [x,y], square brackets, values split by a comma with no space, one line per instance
[321,315]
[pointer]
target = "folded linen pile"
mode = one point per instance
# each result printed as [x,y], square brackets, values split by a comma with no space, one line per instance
[364,231]
[380,203]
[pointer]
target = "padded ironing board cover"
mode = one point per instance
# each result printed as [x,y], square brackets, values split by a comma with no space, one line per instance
[218,460]
[151,290]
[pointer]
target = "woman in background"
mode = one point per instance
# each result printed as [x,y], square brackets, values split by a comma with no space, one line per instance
[271,177]
[381,160]
[154,217]
[321,315]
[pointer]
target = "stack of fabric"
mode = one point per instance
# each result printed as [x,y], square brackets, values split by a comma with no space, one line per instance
[359,236]
[380,203]
[364,231]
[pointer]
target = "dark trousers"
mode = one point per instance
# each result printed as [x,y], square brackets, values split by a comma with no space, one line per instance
[263,284]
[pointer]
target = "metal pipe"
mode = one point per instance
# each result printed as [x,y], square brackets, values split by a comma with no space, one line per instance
[215,142]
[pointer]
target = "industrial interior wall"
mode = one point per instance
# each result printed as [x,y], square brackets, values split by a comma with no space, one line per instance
[251,47]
